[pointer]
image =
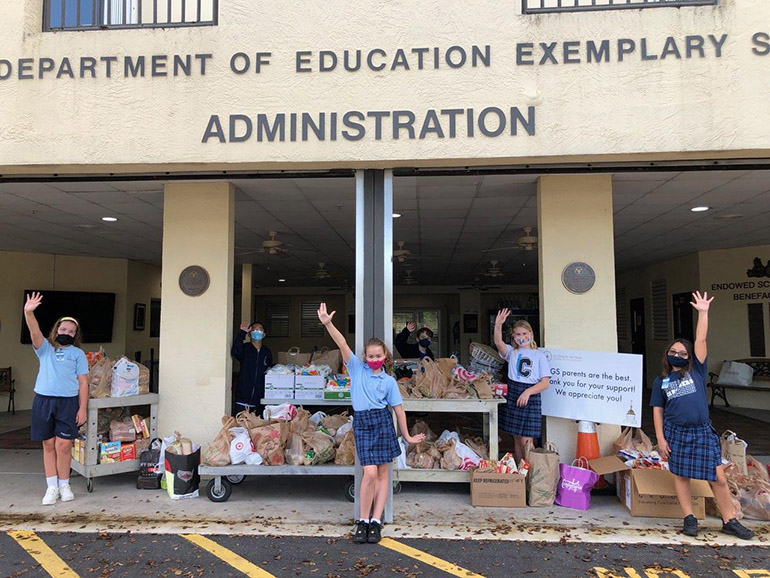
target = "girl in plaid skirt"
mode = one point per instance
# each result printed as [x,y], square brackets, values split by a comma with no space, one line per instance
[528,376]
[372,390]
[683,428]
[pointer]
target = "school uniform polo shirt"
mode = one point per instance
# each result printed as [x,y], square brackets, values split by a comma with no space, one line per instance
[370,391]
[59,370]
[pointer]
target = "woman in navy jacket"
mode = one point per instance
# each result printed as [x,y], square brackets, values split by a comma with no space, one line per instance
[255,358]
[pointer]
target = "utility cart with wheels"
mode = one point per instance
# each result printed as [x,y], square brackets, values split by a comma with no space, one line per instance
[91,469]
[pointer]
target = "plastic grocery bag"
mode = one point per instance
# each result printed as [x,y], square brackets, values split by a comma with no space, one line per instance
[125,378]
[318,417]
[295,451]
[284,411]
[240,446]
[342,430]
[735,373]
[182,476]
[470,459]
[575,484]
[122,431]
[401,464]
[99,378]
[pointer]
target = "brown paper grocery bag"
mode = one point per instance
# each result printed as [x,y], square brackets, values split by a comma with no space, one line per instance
[293,356]
[734,450]
[330,357]
[543,475]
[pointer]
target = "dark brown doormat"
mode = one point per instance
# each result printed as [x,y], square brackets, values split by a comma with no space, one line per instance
[18,440]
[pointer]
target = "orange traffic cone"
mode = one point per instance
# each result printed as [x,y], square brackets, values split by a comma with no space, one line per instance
[588,446]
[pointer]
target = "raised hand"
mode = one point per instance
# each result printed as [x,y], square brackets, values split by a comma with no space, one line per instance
[701,302]
[323,316]
[33,301]
[245,326]
[502,315]
[411,326]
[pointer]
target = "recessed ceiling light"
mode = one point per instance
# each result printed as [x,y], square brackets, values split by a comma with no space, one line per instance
[699,209]
[282,280]
[109,219]
[396,215]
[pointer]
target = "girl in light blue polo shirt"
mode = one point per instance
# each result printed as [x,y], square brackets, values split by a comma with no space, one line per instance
[372,390]
[61,397]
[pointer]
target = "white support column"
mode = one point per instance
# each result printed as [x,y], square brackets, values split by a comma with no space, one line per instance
[195,336]
[575,224]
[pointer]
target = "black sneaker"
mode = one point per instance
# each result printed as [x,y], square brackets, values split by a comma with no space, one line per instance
[737,529]
[374,533]
[361,533]
[690,527]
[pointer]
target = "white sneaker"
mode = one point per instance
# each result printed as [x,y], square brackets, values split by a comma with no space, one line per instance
[51,495]
[66,493]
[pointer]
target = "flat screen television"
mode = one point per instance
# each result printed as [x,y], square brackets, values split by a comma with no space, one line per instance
[94,311]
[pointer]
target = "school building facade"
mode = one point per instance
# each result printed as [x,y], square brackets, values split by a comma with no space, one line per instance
[204,128]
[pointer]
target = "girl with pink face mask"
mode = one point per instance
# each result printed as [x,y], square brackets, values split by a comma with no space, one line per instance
[372,390]
[528,376]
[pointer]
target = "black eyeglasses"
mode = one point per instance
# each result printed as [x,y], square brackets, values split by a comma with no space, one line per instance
[680,354]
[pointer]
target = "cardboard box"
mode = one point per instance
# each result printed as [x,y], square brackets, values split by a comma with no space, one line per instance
[109,452]
[279,381]
[337,394]
[279,393]
[127,452]
[308,394]
[79,450]
[309,383]
[498,490]
[651,493]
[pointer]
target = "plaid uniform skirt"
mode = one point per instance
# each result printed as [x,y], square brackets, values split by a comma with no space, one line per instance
[695,451]
[375,437]
[521,421]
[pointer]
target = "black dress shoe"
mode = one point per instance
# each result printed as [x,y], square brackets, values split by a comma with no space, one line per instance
[362,532]
[374,534]
[690,527]
[735,528]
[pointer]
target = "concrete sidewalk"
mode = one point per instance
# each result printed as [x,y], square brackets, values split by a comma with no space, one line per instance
[316,505]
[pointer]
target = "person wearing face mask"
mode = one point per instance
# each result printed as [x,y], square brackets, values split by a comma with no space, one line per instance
[683,429]
[61,397]
[255,359]
[414,350]
[528,376]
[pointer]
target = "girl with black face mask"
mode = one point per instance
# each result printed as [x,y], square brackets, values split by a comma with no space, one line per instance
[683,428]
[61,397]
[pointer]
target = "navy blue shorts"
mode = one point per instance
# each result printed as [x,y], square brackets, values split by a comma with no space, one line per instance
[54,417]
[524,421]
[375,436]
[695,451]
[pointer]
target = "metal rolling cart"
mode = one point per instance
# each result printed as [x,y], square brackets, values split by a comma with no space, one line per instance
[91,469]
[220,487]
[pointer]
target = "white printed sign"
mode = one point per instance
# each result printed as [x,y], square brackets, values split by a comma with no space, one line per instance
[594,386]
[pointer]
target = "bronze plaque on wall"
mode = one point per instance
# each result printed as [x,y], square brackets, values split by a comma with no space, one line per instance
[194,280]
[578,277]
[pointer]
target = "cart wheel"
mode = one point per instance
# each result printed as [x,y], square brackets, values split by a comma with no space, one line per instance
[224,493]
[236,479]
[350,490]
[90,485]
[396,488]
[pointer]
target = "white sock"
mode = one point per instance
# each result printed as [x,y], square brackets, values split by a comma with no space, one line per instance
[364,520]
[375,521]
[51,481]
[64,482]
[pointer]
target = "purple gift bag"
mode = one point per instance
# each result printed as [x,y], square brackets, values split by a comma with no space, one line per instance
[575,483]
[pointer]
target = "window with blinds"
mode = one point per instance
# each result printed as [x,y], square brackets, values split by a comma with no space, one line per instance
[309,324]
[277,315]
[621,313]
[659,310]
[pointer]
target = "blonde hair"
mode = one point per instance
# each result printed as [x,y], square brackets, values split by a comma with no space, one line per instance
[375,342]
[524,325]
[55,331]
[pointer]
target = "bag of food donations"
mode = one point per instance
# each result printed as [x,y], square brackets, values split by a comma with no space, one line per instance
[218,451]
[125,378]
[543,474]
[99,378]
[182,477]
[575,484]
[240,446]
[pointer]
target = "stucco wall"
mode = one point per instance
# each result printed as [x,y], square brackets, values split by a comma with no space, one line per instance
[642,106]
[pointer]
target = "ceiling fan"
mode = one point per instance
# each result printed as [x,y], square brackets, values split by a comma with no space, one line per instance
[407,278]
[321,274]
[479,286]
[527,242]
[403,255]
[271,247]
[494,270]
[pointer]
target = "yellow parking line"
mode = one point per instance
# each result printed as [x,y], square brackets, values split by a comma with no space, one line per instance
[447,567]
[227,556]
[43,554]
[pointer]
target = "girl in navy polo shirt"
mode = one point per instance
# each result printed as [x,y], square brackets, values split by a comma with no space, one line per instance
[371,391]
[528,376]
[683,428]
[61,397]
